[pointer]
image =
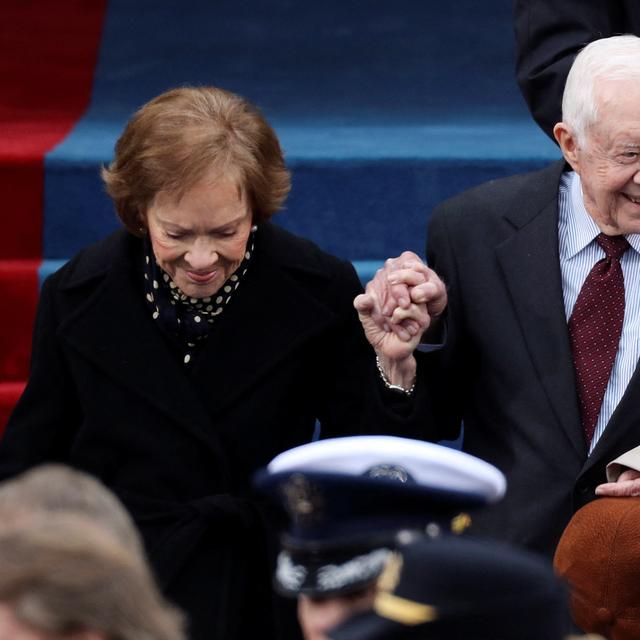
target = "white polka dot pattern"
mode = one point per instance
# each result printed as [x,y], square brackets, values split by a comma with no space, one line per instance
[595,327]
[186,320]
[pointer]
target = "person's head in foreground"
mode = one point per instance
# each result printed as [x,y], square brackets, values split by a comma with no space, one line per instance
[55,488]
[349,500]
[600,131]
[63,578]
[460,588]
[599,556]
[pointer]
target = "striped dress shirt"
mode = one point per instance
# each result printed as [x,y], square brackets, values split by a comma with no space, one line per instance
[578,253]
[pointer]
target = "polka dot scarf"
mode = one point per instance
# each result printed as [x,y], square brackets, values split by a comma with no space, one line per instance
[187,321]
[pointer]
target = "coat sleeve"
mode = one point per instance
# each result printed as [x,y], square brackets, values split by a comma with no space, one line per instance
[445,368]
[353,399]
[628,460]
[549,34]
[46,417]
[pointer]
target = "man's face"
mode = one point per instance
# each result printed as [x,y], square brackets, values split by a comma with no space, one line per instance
[609,160]
[318,616]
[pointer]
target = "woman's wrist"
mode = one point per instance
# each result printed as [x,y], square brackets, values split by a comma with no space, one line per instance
[399,375]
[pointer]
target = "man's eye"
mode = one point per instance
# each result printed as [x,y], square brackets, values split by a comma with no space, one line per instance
[174,236]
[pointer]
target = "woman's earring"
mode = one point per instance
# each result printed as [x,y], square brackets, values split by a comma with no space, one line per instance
[254,228]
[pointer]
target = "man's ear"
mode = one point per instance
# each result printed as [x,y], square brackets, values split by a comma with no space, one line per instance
[568,143]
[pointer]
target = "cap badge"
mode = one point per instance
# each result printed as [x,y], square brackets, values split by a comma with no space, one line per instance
[390,472]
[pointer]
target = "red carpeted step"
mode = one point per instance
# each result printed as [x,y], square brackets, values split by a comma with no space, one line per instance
[48,52]
[47,56]
[18,299]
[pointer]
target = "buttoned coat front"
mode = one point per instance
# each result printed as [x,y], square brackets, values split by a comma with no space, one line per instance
[109,394]
[507,370]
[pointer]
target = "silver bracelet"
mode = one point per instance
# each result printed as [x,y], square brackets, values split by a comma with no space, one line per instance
[394,387]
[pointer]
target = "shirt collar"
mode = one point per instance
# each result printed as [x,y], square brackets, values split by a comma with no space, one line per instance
[584,230]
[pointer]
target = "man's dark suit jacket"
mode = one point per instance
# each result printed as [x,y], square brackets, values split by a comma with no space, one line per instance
[550,33]
[507,370]
[109,395]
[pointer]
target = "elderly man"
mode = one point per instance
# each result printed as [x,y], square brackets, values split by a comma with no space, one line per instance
[541,339]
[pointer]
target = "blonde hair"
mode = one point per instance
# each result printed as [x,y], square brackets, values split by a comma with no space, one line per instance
[57,488]
[61,574]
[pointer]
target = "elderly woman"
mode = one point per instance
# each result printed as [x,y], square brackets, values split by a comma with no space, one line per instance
[185,351]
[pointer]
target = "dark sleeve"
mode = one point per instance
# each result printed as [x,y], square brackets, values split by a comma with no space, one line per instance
[445,368]
[44,421]
[354,399]
[549,34]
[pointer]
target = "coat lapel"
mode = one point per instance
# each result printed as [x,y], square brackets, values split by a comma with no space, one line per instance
[114,331]
[272,313]
[530,263]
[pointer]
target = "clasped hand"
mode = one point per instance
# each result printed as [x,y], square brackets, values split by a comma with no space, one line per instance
[404,298]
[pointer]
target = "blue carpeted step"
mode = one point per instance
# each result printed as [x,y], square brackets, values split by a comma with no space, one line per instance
[383,109]
[360,207]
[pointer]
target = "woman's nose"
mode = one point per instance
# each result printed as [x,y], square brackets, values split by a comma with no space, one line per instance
[201,255]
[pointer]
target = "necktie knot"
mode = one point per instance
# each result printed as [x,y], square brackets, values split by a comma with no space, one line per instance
[613,246]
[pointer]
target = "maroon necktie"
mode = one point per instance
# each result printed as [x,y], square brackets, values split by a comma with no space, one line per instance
[595,327]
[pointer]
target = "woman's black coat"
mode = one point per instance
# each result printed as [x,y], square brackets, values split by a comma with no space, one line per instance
[107,394]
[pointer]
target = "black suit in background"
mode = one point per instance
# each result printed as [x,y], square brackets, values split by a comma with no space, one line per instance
[507,369]
[108,395]
[549,34]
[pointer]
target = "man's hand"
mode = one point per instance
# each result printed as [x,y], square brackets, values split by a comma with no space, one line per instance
[627,485]
[403,281]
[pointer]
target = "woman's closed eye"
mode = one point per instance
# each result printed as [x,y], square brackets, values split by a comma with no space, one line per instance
[227,233]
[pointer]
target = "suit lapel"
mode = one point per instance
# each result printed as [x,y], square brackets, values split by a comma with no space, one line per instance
[621,433]
[530,263]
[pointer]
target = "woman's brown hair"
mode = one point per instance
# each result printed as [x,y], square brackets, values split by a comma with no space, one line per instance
[175,139]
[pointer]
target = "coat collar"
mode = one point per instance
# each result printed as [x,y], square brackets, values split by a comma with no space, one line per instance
[530,264]
[273,311]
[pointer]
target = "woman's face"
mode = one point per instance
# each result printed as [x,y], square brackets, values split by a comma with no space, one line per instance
[200,239]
